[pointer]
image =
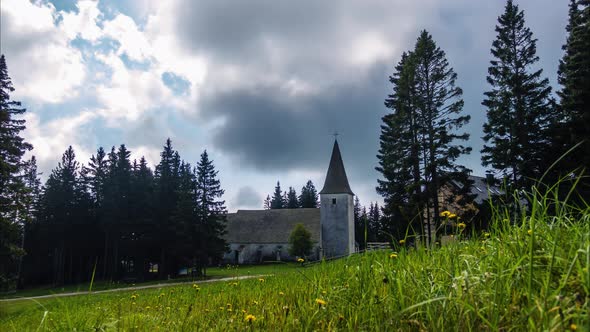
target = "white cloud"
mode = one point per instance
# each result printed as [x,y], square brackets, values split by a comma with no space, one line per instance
[50,139]
[83,23]
[42,64]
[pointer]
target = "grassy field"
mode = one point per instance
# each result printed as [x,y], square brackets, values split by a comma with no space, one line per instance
[212,273]
[531,274]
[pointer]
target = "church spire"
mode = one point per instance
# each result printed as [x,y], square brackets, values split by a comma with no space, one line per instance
[336,180]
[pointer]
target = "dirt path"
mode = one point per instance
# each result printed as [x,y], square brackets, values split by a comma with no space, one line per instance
[131,288]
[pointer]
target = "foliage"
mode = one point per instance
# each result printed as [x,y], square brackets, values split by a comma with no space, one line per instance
[519,106]
[573,124]
[277,198]
[13,191]
[309,196]
[300,241]
[418,143]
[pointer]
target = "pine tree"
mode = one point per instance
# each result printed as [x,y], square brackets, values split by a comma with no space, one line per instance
[574,77]
[12,149]
[166,180]
[277,198]
[359,226]
[267,202]
[309,196]
[292,201]
[211,211]
[519,105]
[419,149]
[439,111]
[399,154]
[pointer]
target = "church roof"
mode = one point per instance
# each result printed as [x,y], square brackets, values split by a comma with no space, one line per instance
[270,226]
[336,180]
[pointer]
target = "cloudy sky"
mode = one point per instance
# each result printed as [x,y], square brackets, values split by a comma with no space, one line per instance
[261,85]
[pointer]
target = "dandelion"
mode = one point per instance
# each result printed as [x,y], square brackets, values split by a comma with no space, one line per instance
[573,327]
[452,215]
[530,232]
[148,307]
[300,260]
[461,225]
[255,302]
[132,303]
[445,213]
[167,308]
[234,283]
[249,318]
[133,296]
[402,241]
[261,279]
[281,293]
[486,234]
[393,255]
[320,302]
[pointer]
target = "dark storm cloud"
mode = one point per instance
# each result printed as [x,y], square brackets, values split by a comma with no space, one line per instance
[267,128]
[270,130]
[248,197]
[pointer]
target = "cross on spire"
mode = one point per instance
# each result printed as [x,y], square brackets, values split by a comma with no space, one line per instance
[335,134]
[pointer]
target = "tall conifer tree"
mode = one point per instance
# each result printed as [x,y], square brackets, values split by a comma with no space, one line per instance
[519,106]
[277,198]
[12,149]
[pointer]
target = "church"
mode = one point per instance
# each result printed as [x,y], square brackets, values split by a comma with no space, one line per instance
[255,236]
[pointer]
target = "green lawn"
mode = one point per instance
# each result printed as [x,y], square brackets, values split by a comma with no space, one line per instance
[212,273]
[527,274]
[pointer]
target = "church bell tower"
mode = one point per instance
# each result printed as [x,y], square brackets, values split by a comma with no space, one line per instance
[336,210]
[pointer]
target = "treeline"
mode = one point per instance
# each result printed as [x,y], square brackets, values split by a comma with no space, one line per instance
[117,219]
[308,198]
[525,133]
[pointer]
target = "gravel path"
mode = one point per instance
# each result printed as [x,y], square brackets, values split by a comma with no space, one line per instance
[130,288]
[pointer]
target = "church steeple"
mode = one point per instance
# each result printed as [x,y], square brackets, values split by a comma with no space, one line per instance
[336,180]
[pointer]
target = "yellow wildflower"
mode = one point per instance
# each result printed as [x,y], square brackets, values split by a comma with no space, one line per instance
[281,293]
[486,234]
[530,232]
[402,241]
[320,302]
[132,303]
[573,327]
[461,225]
[255,302]
[393,255]
[452,215]
[261,279]
[148,307]
[300,260]
[445,213]
[249,318]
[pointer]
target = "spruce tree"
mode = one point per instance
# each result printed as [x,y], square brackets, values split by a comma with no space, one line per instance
[12,149]
[519,105]
[309,196]
[211,211]
[266,205]
[292,201]
[439,111]
[277,198]
[399,153]
[574,78]
[419,140]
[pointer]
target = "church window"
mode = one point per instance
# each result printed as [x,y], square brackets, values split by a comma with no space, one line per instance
[333,201]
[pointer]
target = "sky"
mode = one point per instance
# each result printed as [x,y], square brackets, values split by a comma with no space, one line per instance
[261,85]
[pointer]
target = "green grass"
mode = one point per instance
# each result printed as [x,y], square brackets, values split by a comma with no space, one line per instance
[528,274]
[212,273]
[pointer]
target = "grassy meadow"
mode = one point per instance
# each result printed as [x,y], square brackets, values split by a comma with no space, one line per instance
[527,274]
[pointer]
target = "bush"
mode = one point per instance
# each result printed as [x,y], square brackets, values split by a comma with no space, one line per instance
[300,241]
